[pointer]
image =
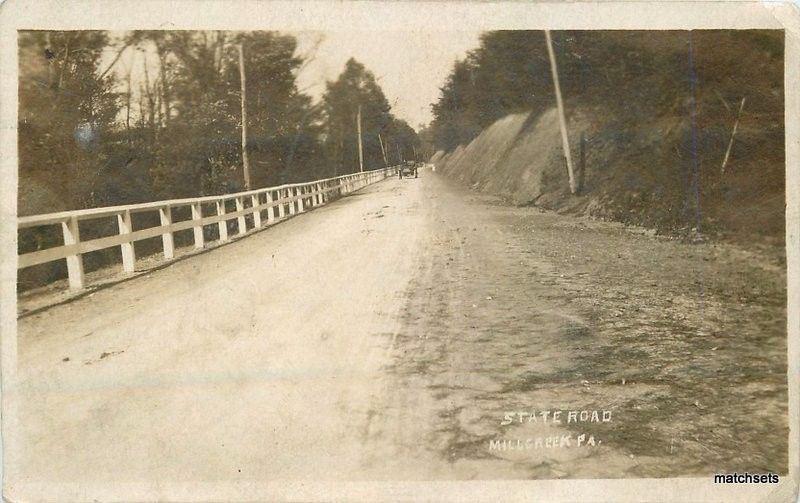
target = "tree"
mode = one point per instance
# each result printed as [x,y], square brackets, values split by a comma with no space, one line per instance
[66,117]
[660,106]
[198,105]
[170,128]
[357,86]
[283,123]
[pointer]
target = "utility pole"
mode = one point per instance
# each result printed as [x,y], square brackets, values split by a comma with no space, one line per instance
[383,151]
[562,120]
[582,163]
[733,134]
[245,159]
[360,149]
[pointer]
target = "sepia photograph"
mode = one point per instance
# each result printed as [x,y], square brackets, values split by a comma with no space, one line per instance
[301,257]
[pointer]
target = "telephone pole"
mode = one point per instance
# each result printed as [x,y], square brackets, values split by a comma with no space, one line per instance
[733,134]
[245,159]
[383,151]
[562,120]
[360,149]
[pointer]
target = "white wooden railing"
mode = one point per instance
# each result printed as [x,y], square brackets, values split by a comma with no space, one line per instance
[279,203]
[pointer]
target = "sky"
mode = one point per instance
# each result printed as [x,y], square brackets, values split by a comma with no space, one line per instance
[410,66]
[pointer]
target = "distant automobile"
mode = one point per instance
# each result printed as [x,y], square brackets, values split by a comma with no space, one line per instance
[407,169]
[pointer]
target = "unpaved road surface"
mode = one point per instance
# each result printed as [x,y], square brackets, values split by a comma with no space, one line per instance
[387,335]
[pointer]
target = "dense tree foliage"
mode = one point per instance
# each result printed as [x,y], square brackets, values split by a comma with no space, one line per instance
[66,117]
[634,74]
[171,125]
[657,109]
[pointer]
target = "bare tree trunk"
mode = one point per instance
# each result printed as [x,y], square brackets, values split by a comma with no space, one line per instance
[245,160]
[128,103]
[165,96]
[50,59]
[65,62]
[142,113]
[219,49]
[151,111]
[114,61]
[157,91]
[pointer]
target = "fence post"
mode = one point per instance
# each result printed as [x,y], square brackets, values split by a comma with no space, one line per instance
[165,214]
[256,202]
[72,236]
[128,253]
[197,215]
[270,209]
[300,200]
[240,219]
[290,193]
[281,204]
[223,224]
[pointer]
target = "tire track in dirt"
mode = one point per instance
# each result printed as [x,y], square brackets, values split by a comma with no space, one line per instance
[516,309]
[475,324]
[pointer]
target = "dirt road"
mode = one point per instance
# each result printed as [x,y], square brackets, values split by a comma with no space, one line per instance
[390,335]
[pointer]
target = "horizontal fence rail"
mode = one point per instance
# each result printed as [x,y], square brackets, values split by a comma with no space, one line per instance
[279,203]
